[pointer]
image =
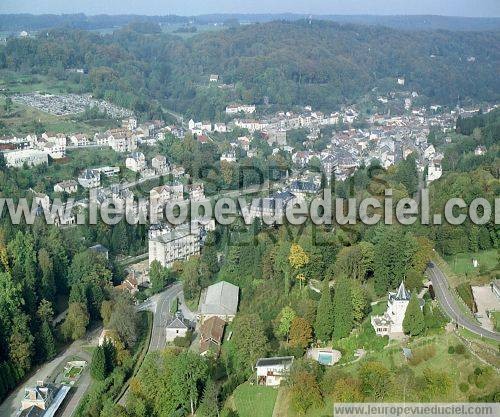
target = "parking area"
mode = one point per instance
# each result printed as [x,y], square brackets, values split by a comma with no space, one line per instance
[486,301]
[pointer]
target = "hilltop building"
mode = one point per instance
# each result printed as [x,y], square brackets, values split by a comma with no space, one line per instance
[391,322]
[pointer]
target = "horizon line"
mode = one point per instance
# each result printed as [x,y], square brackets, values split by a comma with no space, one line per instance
[249,14]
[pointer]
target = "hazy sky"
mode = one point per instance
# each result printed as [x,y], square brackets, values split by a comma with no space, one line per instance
[483,8]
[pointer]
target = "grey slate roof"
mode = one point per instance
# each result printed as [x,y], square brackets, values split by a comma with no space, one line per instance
[176,323]
[285,361]
[221,299]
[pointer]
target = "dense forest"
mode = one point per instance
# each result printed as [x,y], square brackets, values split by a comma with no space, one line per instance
[81,21]
[318,63]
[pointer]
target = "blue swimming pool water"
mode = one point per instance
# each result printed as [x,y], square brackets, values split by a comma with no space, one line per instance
[325,358]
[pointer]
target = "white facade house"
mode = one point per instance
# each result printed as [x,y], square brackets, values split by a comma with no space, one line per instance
[79,140]
[220,127]
[160,164]
[228,157]
[122,141]
[196,191]
[166,193]
[169,245]
[54,150]
[272,371]
[130,123]
[240,108]
[176,328]
[53,144]
[429,152]
[206,126]
[136,162]
[90,178]
[391,322]
[434,171]
[68,187]
[30,157]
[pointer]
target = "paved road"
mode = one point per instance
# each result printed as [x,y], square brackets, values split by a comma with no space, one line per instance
[160,304]
[47,372]
[447,301]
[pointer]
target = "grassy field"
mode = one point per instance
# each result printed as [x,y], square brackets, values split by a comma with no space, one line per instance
[461,264]
[252,400]
[15,82]
[458,366]
[496,320]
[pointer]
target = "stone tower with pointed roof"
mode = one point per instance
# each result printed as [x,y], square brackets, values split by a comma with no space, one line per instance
[391,322]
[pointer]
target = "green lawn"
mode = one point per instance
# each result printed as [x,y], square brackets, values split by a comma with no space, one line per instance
[458,366]
[496,320]
[461,264]
[253,400]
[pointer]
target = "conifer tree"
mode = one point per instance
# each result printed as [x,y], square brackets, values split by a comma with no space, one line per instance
[342,309]
[414,322]
[323,326]
[48,342]
[98,366]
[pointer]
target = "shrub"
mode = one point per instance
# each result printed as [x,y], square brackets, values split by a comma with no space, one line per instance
[464,290]
[422,354]
[463,387]
[451,350]
[460,349]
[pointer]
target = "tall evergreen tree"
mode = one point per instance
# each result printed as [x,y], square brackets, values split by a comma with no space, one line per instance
[48,342]
[414,322]
[342,309]
[209,406]
[323,326]
[109,355]
[119,238]
[98,365]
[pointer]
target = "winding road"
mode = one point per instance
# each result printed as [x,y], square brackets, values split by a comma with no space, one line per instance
[160,304]
[450,307]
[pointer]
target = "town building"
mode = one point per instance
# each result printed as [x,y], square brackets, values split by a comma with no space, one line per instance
[228,157]
[211,334]
[90,178]
[272,371]
[391,322]
[100,250]
[240,108]
[219,300]
[168,245]
[68,187]
[176,327]
[43,400]
[160,164]
[136,162]
[159,196]
[434,171]
[196,191]
[30,157]
[79,140]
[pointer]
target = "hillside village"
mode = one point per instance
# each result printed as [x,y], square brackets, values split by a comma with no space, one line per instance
[319,147]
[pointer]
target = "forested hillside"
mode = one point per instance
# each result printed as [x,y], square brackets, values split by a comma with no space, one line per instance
[319,63]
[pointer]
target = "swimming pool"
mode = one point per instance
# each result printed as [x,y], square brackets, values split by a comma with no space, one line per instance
[325,358]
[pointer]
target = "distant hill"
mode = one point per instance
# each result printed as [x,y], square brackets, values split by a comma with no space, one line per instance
[320,63]
[18,22]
